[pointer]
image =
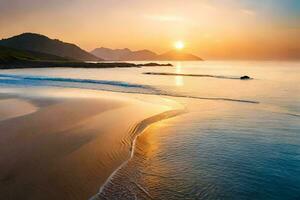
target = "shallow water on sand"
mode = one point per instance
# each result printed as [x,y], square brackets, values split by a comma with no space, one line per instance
[219,149]
[214,152]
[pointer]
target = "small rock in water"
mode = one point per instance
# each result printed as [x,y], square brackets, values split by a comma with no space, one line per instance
[245,78]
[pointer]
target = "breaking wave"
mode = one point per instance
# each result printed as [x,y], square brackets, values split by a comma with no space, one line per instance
[106,85]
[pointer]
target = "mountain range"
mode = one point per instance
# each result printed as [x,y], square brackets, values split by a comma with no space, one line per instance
[35,46]
[141,55]
[123,54]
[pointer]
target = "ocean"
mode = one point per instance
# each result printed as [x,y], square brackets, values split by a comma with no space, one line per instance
[237,139]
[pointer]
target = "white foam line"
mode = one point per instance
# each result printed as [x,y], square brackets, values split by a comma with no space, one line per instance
[142,189]
[148,90]
[167,114]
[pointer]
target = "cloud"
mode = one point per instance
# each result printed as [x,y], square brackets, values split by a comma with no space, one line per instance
[248,12]
[164,18]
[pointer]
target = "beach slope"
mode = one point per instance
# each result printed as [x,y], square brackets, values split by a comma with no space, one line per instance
[66,147]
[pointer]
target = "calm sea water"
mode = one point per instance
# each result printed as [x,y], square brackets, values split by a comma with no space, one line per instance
[238,140]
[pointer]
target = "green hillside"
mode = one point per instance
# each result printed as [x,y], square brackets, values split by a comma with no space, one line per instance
[40,43]
[10,55]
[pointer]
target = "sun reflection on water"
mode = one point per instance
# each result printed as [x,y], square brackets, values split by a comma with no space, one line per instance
[178,79]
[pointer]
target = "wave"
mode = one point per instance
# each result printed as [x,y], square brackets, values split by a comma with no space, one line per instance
[279,110]
[192,75]
[116,86]
[105,85]
[134,133]
[72,80]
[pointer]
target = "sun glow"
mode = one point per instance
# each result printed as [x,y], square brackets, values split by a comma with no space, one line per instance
[179,45]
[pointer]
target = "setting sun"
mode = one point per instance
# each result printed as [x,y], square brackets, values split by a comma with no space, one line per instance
[179,45]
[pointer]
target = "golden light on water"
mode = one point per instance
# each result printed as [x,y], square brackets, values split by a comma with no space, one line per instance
[179,45]
[178,79]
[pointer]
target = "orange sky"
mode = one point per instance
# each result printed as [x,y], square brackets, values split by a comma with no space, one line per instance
[215,29]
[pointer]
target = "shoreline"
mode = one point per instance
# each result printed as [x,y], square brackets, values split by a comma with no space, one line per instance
[63,64]
[136,132]
[48,135]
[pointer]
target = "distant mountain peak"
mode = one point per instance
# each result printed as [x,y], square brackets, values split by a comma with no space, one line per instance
[124,54]
[31,34]
[145,54]
[179,55]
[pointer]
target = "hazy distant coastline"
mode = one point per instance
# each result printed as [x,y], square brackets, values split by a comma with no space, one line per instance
[13,56]
[54,64]
[28,47]
[142,55]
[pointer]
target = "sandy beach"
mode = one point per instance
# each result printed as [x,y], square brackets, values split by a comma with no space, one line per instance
[65,145]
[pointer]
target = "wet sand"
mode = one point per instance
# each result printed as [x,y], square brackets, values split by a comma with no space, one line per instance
[66,146]
[10,108]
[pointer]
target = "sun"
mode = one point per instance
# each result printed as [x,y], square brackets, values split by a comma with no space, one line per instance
[179,45]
